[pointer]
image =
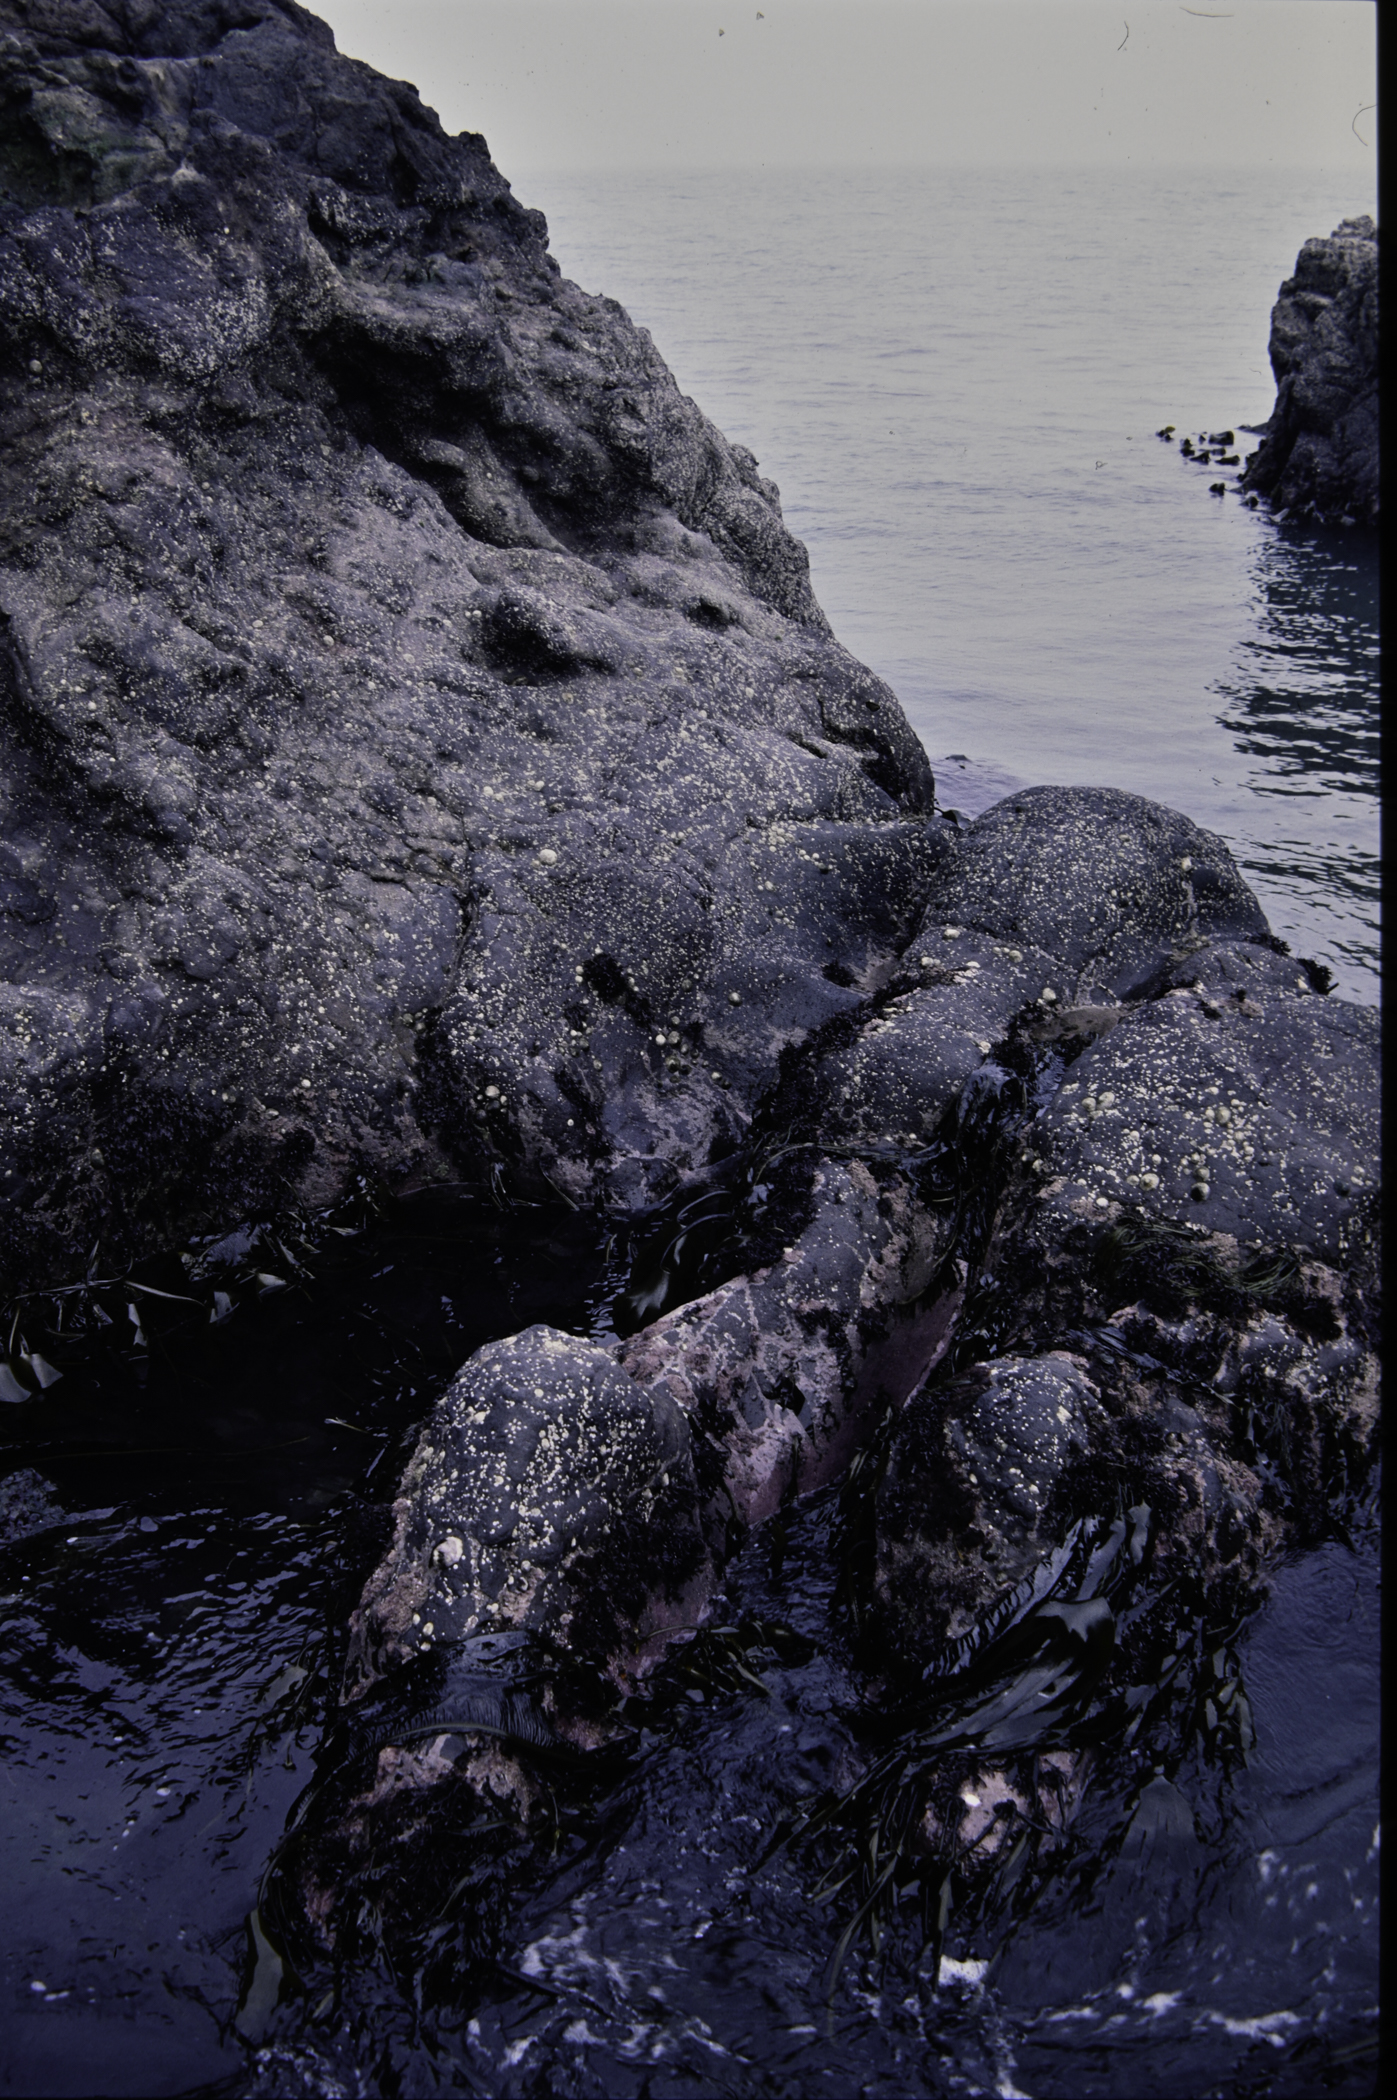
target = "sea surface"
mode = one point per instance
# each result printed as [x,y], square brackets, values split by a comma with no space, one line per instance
[955,378]
[931,367]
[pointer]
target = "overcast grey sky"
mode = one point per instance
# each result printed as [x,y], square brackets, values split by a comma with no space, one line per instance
[651,83]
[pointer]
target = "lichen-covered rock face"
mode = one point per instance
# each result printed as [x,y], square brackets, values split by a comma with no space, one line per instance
[421,749]
[547,1494]
[1319,454]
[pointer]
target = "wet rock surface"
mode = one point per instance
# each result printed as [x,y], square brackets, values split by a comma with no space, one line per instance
[423,752]
[1089,1306]
[1193,1195]
[778,1370]
[967,1506]
[1319,451]
[547,1494]
[1237,1099]
[425,762]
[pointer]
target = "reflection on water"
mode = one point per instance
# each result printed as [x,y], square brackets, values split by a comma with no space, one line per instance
[1302,706]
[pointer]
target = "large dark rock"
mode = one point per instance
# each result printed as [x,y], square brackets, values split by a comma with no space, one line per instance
[423,756]
[422,750]
[1319,453]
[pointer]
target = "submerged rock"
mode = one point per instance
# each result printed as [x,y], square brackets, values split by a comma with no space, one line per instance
[1319,451]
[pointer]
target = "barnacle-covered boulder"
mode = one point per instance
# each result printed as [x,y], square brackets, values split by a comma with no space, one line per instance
[1238,1098]
[548,1494]
[1066,901]
[1106,883]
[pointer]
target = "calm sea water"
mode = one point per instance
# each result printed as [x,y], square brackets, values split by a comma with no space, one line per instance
[955,378]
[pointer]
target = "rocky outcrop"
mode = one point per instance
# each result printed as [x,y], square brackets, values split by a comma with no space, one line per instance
[1183,1303]
[1319,450]
[424,758]
[423,754]
[1104,1278]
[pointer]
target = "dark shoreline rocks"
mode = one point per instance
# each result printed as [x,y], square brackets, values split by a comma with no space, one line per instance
[424,760]
[1140,1348]
[423,754]
[1319,454]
